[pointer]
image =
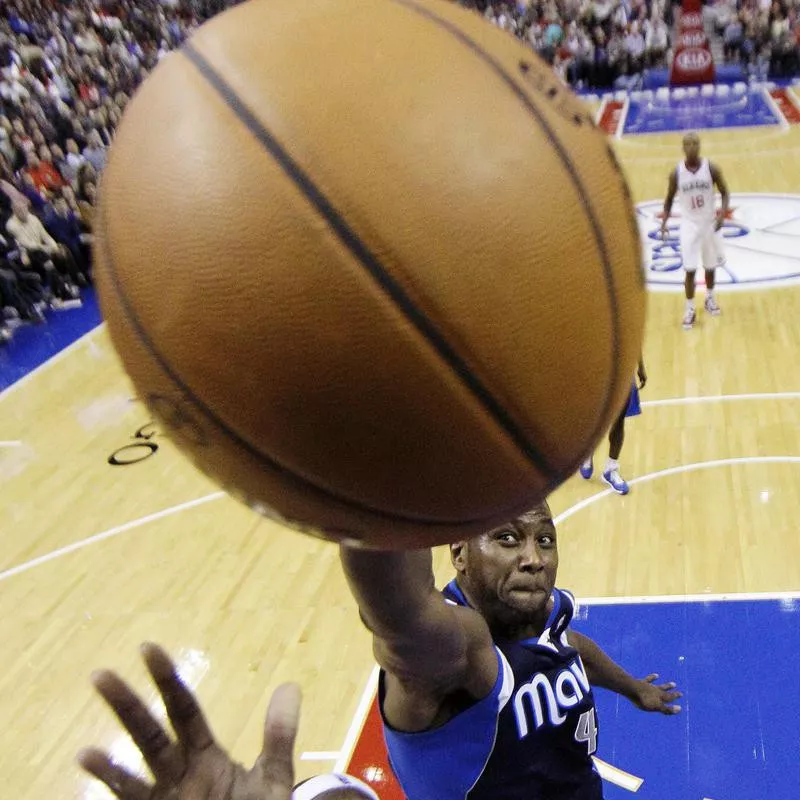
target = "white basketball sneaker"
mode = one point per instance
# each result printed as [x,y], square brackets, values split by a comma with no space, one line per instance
[711,306]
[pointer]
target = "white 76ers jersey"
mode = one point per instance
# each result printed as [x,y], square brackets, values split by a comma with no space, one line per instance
[696,195]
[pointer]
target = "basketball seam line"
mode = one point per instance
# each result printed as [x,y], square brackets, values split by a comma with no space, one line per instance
[259,455]
[458,34]
[368,260]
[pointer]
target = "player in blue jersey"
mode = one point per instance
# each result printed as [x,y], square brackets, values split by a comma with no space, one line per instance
[485,691]
[616,438]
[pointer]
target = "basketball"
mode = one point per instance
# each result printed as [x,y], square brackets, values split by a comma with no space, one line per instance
[371,265]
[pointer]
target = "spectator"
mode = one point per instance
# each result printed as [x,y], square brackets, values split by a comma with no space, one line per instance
[64,226]
[72,162]
[634,48]
[32,195]
[21,296]
[95,151]
[86,204]
[733,39]
[42,173]
[617,56]
[40,253]
[86,40]
[656,43]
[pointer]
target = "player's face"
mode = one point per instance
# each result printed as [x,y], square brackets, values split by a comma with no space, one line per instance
[691,147]
[510,571]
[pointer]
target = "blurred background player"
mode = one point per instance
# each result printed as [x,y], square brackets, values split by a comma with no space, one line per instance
[693,181]
[616,438]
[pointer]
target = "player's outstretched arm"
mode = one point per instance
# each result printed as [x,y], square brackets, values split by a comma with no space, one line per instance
[428,647]
[604,672]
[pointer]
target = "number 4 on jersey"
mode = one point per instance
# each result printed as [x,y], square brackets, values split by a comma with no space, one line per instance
[587,730]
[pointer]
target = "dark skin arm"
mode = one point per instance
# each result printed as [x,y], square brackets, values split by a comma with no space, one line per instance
[672,190]
[719,182]
[605,673]
[430,649]
[192,766]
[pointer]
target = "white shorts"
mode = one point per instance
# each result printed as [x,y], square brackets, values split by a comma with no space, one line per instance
[701,247]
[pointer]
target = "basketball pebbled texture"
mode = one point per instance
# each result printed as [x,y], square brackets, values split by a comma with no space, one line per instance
[376,270]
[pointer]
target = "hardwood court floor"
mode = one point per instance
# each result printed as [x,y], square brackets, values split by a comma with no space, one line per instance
[245,605]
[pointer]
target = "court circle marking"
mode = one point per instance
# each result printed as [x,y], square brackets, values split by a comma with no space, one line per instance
[761,236]
[665,473]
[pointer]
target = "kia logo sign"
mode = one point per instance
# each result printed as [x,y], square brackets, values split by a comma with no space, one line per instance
[692,21]
[693,39]
[693,60]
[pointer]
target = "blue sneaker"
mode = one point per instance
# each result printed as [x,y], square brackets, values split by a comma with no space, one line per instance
[587,468]
[615,481]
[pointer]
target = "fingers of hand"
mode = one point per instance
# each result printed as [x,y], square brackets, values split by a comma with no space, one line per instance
[124,785]
[667,686]
[280,732]
[182,707]
[652,677]
[671,710]
[161,755]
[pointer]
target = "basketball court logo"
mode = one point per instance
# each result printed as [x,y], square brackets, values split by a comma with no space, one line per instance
[761,238]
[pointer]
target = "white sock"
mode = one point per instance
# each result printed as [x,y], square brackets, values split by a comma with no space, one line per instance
[709,294]
[587,463]
[612,465]
[690,304]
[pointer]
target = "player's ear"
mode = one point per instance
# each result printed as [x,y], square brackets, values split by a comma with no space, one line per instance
[458,556]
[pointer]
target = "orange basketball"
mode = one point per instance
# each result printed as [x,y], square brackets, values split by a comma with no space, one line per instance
[372,266]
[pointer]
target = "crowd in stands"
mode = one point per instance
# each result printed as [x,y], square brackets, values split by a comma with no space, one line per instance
[67,71]
[590,43]
[69,67]
[760,32]
[608,43]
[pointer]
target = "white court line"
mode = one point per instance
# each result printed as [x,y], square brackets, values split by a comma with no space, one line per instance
[721,398]
[783,123]
[598,115]
[623,116]
[320,755]
[663,473]
[110,533]
[50,361]
[708,597]
[358,721]
[617,776]
[10,444]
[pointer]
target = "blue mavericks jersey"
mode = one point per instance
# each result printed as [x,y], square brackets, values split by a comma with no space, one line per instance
[531,738]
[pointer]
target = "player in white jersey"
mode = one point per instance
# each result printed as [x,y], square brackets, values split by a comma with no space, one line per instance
[694,181]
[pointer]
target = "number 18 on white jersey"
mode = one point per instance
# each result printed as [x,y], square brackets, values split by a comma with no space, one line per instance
[696,195]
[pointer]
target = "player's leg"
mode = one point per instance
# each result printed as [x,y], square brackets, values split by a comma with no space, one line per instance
[616,438]
[690,253]
[713,257]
